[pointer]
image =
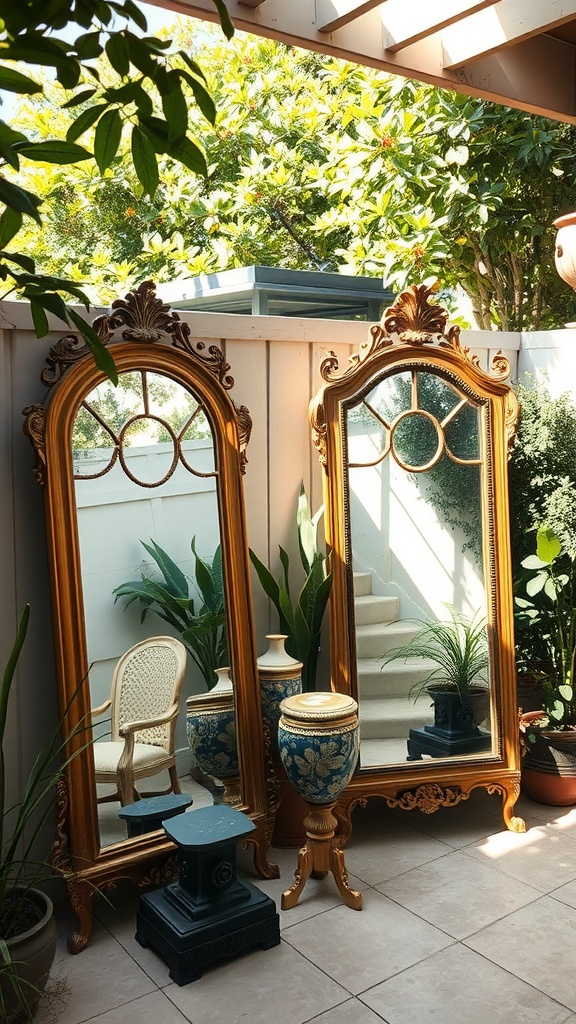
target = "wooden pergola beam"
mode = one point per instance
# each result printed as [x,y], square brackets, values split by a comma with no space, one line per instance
[503,24]
[333,14]
[407,23]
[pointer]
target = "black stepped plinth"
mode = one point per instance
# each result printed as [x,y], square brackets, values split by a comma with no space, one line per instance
[439,743]
[147,815]
[209,914]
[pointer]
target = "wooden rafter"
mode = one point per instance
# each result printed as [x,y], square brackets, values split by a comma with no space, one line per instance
[333,14]
[502,25]
[407,22]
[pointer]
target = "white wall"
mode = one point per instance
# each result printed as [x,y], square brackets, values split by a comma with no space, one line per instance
[549,356]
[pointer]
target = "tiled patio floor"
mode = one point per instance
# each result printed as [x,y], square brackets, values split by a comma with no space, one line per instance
[463,923]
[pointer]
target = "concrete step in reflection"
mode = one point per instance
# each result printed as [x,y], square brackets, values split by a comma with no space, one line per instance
[371,608]
[362,583]
[396,679]
[375,639]
[393,717]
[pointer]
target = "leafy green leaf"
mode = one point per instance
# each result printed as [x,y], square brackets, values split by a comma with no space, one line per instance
[54,151]
[202,96]
[10,224]
[80,97]
[548,545]
[225,20]
[102,356]
[145,163]
[84,121]
[14,81]
[40,319]
[107,138]
[117,52]
[26,262]
[175,109]
[17,198]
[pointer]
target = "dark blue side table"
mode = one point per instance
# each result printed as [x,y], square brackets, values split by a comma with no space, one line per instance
[148,814]
[208,915]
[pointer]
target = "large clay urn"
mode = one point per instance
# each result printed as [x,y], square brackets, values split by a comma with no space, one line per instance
[565,253]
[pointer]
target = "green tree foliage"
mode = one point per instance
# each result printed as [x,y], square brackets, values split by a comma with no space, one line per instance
[317,163]
[147,98]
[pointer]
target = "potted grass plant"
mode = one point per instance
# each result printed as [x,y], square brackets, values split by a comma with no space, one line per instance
[549,734]
[457,683]
[27,928]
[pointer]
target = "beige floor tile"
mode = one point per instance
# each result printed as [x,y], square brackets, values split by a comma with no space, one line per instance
[456,896]
[120,920]
[456,985]
[351,1012]
[318,895]
[153,1009]
[389,847]
[566,894]
[361,948]
[460,825]
[101,978]
[543,857]
[276,985]
[538,945]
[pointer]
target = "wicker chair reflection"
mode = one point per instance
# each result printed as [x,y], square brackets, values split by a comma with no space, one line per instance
[143,707]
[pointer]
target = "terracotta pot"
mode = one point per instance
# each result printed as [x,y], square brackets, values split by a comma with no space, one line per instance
[565,253]
[549,766]
[33,951]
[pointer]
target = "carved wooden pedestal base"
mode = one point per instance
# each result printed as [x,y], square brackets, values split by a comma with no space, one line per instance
[321,855]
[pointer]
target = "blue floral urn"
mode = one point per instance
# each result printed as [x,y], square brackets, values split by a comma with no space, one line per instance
[211,729]
[319,743]
[280,676]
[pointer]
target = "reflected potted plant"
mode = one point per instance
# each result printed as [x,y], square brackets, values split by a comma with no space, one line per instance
[300,618]
[202,629]
[458,684]
[549,735]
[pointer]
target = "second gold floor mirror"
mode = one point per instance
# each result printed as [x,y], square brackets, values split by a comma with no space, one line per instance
[413,437]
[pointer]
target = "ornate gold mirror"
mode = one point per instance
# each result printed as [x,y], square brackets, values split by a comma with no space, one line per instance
[152,465]
[413,438]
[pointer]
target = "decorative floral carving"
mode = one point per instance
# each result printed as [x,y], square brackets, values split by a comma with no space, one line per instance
[500,367]
[318,428]
[64,353]
[244,422]
[427,798]
[34,427]
[146,317]
[413,318]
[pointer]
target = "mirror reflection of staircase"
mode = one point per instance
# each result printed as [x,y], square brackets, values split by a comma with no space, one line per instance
[386,711]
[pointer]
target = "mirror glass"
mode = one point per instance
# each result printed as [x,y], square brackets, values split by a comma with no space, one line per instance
[414,479]
[146,487]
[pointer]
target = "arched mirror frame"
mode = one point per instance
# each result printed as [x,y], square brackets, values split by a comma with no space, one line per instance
[141,333]
[414,335]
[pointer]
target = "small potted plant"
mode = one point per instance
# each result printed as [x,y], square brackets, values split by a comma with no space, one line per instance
[458,684]
[549,734]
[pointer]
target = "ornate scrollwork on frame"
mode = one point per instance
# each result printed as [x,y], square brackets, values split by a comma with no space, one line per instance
[427,798]
[412,320]
[33,427]
[140,317]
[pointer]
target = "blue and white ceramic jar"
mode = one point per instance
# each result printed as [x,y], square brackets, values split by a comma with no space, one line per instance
[211,728]
[280,676]
[319,743]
